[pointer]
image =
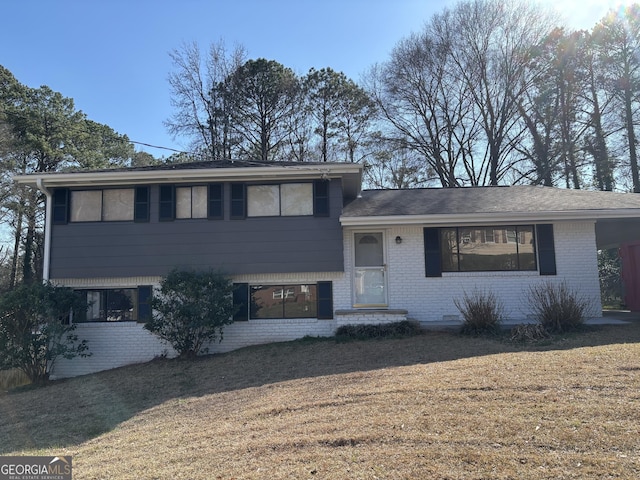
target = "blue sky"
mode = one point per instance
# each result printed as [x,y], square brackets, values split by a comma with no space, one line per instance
[112,56]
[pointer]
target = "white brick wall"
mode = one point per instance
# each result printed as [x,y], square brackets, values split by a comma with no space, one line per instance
[432,299]
[116,344]
[112,345]
[424,299]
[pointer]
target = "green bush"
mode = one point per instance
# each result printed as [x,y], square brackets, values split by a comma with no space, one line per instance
[482,313]
[35,331]
[405,328]
[191,310]
[557,307]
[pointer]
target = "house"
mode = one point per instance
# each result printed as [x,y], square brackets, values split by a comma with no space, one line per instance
[307,249]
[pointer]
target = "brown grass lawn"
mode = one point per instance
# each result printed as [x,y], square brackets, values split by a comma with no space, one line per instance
[437,406]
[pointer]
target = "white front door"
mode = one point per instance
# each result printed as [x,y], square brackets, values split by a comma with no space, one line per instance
[369,279]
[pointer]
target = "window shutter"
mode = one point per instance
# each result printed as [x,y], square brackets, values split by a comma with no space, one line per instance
[141,205]
[216,201]
[432,257]
[325,300]
[60,206]
[321,198]
[241,302]
[144,303]
[546,249]
[238,201]
[167,203]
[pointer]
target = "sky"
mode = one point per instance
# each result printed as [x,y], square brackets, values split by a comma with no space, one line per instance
[112,56]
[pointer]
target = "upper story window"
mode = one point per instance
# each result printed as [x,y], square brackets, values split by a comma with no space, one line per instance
[275,200]
[195,201]
[287,199]
[109,205]
[191,202]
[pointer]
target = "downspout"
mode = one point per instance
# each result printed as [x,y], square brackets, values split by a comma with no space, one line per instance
[47,228]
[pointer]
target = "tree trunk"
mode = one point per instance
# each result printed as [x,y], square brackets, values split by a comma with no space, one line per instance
[633,158]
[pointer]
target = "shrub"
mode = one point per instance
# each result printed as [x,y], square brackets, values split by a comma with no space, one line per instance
[529,332]
[482,313]
[34,329]
[556,307]
[405,328]
[191,310]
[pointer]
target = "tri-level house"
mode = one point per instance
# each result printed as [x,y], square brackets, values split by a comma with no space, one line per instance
[307,249]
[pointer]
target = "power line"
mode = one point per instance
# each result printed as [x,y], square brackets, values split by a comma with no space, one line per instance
[156,146]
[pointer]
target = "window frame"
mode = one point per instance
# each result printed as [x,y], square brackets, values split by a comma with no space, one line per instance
[243,300]
[141,310]
[64,205]
[542,241]
[280,195]
[459,262]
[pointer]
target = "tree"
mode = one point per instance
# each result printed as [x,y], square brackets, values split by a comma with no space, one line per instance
[451,91]
[201,97]
[191,310]
[264,94]
[610,274]
[34,329]
[424,103]
[356,110]
[617,41]
[491,45]
[324,89]
[46,134]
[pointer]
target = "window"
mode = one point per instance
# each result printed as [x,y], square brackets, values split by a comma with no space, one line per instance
[200,201]
[257,302]
[112,305]
[86,205]
[109,205]
[191,202]
[117,204]
[473,249]
[283,301]
[287,199]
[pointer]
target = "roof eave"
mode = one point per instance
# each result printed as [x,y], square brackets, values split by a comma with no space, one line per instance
[489,217]
[141,177]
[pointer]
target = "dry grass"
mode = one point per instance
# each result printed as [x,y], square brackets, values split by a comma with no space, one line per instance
[438,406]
[12,378]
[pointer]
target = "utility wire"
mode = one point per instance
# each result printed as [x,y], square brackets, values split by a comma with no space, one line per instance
[156,146]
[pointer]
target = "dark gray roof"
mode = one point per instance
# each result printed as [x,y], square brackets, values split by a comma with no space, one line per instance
[202,165]
[479,200]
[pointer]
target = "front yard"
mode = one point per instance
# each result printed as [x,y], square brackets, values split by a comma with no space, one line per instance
[433,406]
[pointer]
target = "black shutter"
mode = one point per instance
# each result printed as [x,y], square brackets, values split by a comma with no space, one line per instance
[241,302]
[432,257]
[238,201]
[60,206]
[216,201]
[325,300]
[321,198]
[141,205]
[546,249]
[144,303]
[167,203]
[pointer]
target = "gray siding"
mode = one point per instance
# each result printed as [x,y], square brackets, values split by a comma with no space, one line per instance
[252,245]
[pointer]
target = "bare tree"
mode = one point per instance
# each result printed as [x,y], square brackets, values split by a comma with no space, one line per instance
[426,107]
[201,98]
[492,44]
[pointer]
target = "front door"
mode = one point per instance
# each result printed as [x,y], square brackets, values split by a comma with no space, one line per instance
[369,272]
